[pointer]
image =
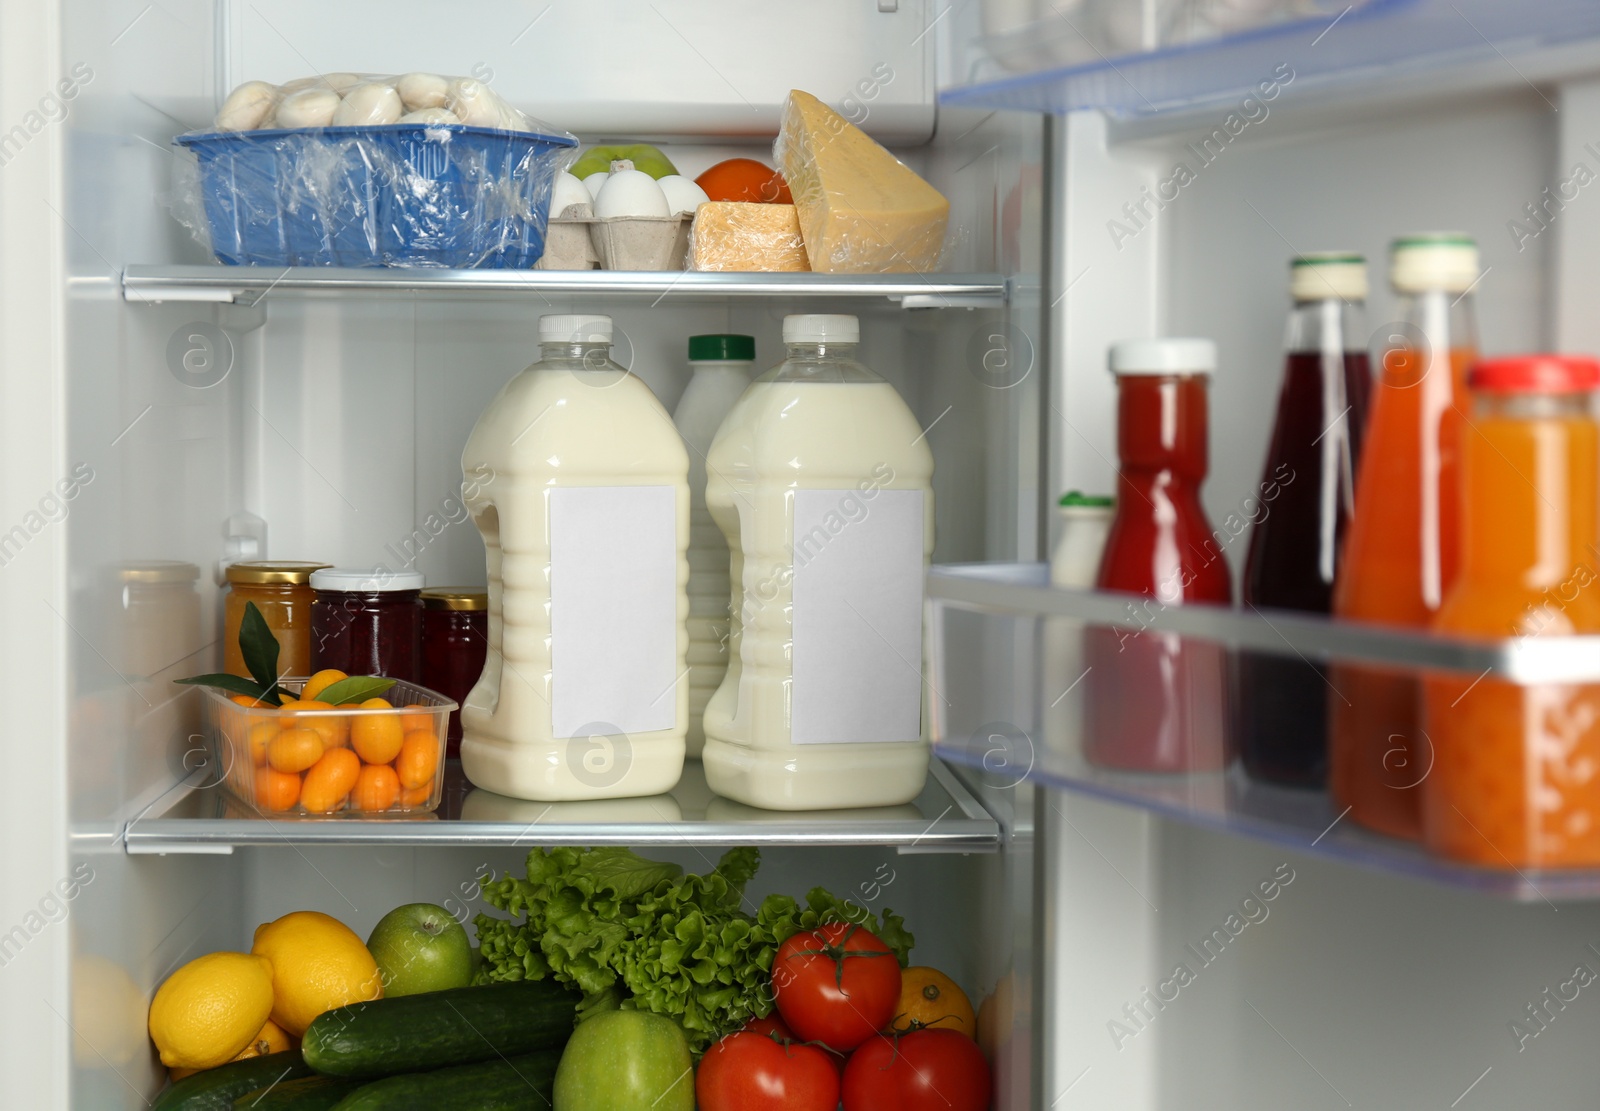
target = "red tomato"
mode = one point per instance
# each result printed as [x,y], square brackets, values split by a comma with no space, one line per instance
[767,1027]
[747,1071]
[744,179]
[929,1070]
[837,984]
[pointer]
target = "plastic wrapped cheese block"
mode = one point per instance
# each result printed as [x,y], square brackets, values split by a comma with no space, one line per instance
[737,235]
[862,210]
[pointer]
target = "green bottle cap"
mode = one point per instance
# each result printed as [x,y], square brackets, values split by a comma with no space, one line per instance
[713,349]
[1073,498]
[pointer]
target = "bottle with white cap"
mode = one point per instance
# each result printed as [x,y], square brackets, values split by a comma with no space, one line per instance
[579,483]
[821,479]
[1300,511]
[720,366]
[1400,554]
[1156,701]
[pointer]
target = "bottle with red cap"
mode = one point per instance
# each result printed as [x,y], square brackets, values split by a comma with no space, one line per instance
[1515,780]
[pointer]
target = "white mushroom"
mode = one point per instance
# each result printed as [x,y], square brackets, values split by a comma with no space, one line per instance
[368,106]
[430,116]
[422,90]
[313,107]
[476,104]
[246,107]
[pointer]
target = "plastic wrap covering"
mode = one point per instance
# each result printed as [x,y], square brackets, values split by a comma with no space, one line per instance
[862,211]
[420,170]
[736,235]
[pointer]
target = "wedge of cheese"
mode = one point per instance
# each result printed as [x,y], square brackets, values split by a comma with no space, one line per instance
[736,235]
[862,210]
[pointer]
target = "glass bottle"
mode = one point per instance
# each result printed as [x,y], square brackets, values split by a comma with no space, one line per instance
[367,622]
[1300,513]
[282,592]
[1400,553]
[455,642]
[1155,701]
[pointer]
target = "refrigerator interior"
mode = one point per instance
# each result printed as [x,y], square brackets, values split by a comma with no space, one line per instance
[333,425]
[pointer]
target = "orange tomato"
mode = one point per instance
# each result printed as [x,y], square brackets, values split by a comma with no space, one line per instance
[295,749]
[744,179]
[929,998]
[419,759]
[330,780]
[276,790]
[416,796]
[261,735]
[377,788]
[376,737]
[334,728]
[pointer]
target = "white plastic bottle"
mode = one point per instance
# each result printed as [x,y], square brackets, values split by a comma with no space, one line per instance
[821,479]
[1085,519]
[721,372]
[578,481]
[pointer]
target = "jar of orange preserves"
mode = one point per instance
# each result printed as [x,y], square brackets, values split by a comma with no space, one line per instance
[1515,781]
[282,592]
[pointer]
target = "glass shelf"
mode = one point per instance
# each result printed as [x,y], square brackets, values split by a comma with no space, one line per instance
[250,284]
[1004,704]
[1377,49]
[944,818]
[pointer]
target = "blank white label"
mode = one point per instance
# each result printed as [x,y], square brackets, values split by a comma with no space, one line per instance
[857,617]
[613,608]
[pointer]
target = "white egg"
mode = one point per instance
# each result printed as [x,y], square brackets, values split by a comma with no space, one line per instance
[630,193]
[247,107]
[683,195]
[430,116]
[368,106]
[314,107]
[569,191]
[593,183]
[476,103]
[422,90]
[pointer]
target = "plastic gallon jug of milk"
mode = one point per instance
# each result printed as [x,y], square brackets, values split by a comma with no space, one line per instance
[821,479]
[578,481]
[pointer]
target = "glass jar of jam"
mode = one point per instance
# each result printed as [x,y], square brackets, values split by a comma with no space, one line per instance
[282,592]
[455,643]
[367,622]
[157,616]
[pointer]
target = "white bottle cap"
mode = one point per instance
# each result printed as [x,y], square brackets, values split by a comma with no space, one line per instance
[1164,356]
[1328,275]
[821,329]
[365,580]
[574,328]
[1446,260]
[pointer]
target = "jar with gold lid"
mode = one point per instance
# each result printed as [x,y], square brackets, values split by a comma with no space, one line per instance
[282,592]
[455,642]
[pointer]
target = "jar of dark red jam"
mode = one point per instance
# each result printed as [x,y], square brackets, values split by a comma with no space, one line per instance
[455,642]
[367,622]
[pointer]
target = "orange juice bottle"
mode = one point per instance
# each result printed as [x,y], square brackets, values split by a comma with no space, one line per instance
[1400,551]
[1516,772]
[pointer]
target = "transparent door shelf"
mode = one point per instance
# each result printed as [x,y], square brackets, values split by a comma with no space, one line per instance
[249,284]
[998,686]
[1379,48]
[944,818]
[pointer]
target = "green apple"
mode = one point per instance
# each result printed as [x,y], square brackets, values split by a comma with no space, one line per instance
[597,160]
[625,1061]
[419,947]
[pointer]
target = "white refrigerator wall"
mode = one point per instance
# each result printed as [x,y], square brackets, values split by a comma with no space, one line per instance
[333,428]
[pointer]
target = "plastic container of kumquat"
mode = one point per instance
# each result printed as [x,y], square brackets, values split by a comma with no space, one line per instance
[384,756]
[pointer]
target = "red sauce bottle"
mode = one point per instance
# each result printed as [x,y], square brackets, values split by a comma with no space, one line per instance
[1155,701]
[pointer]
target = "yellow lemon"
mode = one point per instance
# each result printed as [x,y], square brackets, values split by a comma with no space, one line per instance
[318,963]
[271,1038]
[210,1009]
[320,682]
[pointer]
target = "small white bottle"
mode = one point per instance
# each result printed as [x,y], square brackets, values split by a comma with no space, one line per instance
[578,481]
[1085,521]
[821,479]
[1075,562]
[721,367]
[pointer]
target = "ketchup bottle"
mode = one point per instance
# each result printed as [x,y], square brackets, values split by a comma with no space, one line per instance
[1156,701]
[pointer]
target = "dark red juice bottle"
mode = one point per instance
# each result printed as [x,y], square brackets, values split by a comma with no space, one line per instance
[1155,701]
[1300,512]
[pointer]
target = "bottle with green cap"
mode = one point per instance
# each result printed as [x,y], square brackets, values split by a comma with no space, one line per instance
[720,371]
[1085,520]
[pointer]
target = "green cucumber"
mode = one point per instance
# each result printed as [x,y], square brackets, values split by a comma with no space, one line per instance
[310,1093]
[216,1089]
[521,1083]
[416,1033]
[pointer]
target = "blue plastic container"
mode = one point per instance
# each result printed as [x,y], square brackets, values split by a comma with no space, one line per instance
[445,195]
